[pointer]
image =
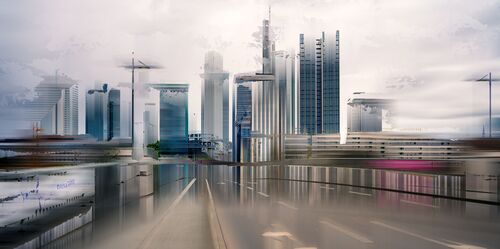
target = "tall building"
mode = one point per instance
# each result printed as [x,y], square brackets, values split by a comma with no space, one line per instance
[125,110]
[56,106]
[114,114]
[173,118]
[150,123]
[215,99]
[319,84]
[242,116]
[272,103]
[97,114]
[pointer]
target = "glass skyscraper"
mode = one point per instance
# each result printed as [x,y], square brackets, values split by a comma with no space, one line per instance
[319,84]
[114,113]
[173,117]
[242,116]
[97,113]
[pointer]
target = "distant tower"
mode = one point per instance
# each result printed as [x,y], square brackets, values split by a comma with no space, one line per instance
[215,98]
[56,107]
[97,112]
[319,84]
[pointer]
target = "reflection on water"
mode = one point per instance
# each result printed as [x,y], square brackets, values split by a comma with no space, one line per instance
[79,208]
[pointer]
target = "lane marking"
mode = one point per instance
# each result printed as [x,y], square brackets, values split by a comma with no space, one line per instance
[218,228]
[326,187]
[277,234]
[146,242]
[260,193]
[419,204]
[347,232]
[287,205]
[454,246]
[359,193]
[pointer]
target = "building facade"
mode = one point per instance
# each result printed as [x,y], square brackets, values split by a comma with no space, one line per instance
[215,99]
[173,118]
[242,116]
[319,84]
[56,106]
[97,114]
[114,113]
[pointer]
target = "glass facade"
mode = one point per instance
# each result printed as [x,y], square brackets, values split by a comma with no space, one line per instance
[114,113]
[242,115]
[173,118]
[319,85]
[96,115]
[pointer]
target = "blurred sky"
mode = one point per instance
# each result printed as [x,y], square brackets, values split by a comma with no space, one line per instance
[419,51]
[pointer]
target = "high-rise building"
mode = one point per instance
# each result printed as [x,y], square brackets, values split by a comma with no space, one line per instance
[242,116]
[173,118]
[114,114]
[319,84]
[215,99]
[56,106]
[150,123]
[97,114]
[272,103]
[125,110]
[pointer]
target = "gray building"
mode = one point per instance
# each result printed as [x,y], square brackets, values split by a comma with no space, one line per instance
[319,84]
[366,113]
[215,99]
[55,107]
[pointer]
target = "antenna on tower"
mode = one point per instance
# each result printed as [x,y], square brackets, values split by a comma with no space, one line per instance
[269,18]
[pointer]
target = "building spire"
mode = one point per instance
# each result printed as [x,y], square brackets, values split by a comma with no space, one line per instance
[269,14]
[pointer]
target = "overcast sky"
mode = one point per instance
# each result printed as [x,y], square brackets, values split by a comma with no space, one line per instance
[420,51]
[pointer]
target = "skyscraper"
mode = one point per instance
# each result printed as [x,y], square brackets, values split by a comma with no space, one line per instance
[114,113]
[173,118]
[319,84]
[215,99]
[242,116]
[97,112]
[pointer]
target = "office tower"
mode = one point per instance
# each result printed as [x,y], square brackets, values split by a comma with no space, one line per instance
[97,112]
[272,94]
[319,84]
[284,103]
[215,99]
[56,106]
[242,116]
[114,114]
[173,118]
[150,123]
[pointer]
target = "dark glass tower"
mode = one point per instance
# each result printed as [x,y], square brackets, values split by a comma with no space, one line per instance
[319,84]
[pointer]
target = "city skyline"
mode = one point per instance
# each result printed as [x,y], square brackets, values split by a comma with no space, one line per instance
[422,81]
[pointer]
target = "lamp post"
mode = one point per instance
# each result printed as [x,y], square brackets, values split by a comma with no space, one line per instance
[487,77]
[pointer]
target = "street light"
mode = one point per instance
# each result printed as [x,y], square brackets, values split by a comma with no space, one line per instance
[487,77]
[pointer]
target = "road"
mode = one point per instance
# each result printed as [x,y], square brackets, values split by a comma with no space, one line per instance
[168,206]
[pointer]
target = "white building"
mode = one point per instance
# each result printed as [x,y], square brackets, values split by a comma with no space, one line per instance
[215,99]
